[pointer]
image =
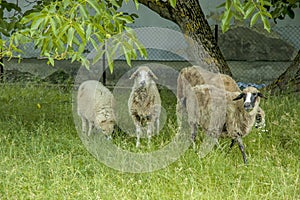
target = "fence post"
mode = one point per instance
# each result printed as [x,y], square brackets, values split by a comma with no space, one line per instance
[216,32]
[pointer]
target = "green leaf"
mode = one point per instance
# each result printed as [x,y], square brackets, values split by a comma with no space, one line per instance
[83,11]
[266,23]
[238,7]
[173,3]
[80,32]
[250,11]
[36,22]
[88,31]
[74,57]
[71,32]
[127,55]
[254,19]
[267,3]
[53,26]
[127,19]
[95,44]
[110,63]
[136,2]
[228,4]
[141,49]
[98,56]
[290,12]
[226,18]
[94,4]
[50,60]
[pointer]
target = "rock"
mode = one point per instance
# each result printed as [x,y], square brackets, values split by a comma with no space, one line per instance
[13,76]
[59,77]
[242,43]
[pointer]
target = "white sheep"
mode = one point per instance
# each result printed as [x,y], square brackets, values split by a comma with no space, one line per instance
[221,113]
[95,106]
[144,103]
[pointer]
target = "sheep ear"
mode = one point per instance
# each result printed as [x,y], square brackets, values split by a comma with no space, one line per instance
[261,95]
[152,75]
[134,74]
[239,97]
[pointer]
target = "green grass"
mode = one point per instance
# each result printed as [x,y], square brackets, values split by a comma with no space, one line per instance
[42,156]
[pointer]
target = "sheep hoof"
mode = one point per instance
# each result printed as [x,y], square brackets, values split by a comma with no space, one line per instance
[108,137]
[137,144]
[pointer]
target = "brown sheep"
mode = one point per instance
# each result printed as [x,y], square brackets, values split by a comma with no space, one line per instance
[222,113]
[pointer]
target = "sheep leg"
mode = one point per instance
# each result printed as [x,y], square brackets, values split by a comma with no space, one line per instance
[149,131]
[90,128]
[83,126]
[242,148]
[157,125]
[138,135]
[194,133]
[233,141]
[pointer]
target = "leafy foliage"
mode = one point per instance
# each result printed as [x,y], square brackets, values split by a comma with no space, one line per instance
[259,9]
[282,8]
[11,22]
[62,30]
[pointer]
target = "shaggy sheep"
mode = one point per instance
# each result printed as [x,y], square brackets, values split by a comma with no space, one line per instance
[195,75]
[223,117]
[144,102]
[95,106]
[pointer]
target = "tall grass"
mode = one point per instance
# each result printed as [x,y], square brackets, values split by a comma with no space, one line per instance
[42,156]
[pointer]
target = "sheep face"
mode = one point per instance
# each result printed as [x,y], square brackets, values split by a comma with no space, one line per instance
[143,77]
[251,98]
[105,121]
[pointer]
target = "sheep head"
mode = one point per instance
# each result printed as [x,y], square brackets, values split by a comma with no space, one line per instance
[251,97]
[105,120]
[143,76]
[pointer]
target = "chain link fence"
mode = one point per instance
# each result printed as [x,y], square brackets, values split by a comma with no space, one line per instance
[253,55]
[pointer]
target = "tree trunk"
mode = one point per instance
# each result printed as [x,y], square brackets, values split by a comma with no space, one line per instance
[289,81]
[189,16]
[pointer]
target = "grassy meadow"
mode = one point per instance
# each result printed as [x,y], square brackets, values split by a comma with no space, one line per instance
[43,157]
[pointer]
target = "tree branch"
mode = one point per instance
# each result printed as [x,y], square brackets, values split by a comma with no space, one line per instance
[189,16]
[164,9]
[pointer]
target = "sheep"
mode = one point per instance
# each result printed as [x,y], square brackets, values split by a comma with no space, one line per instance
[144,102]
[219,117]
[195,75]
[95,106]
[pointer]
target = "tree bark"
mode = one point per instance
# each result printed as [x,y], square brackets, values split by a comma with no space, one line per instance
[289,81]
[189,16]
